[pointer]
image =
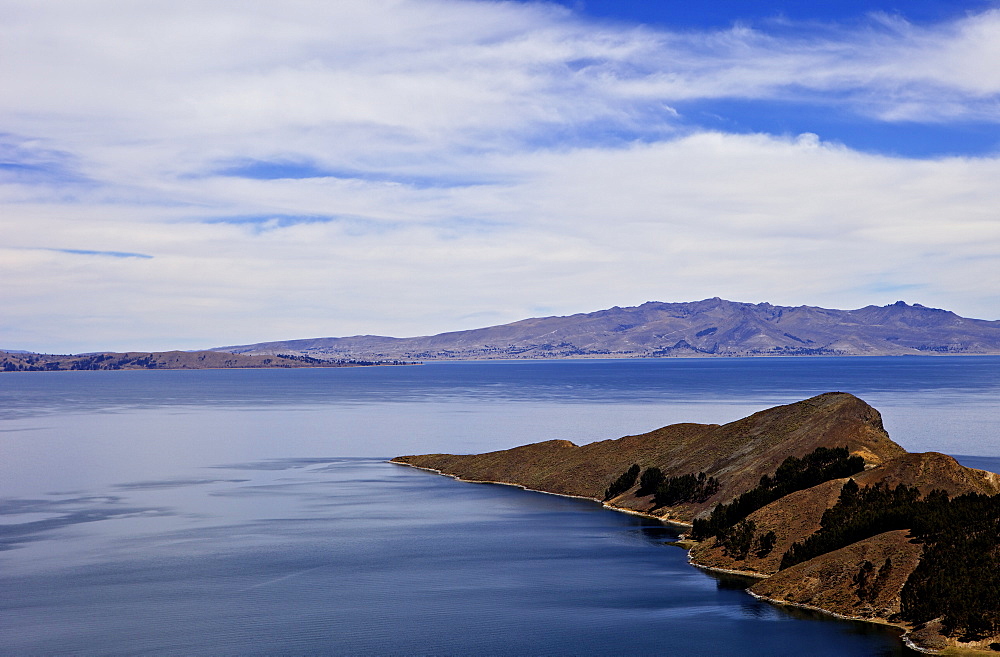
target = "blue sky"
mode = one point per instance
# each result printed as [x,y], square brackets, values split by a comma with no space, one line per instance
[677,14]
[810,113]
[187,174]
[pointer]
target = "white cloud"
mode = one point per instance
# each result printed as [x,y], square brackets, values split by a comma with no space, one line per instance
[484,159]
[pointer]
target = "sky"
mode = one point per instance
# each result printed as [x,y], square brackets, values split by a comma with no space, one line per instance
[191,174]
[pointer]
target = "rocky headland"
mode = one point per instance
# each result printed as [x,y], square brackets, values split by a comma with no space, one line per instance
[812,498]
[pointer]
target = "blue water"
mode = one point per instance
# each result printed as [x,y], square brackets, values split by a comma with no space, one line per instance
[252,512]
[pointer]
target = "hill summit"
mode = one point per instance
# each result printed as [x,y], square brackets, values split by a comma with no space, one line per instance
[712,327]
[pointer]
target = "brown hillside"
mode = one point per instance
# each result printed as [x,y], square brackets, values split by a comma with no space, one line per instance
[830,582]
[737,454]
[930,470]
[865,580]
[794,517]
[791,518]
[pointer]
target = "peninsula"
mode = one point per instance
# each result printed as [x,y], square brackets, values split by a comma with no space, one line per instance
[812,498]
[708,328]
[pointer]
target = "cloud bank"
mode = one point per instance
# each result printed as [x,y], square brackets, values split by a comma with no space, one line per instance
[187,174]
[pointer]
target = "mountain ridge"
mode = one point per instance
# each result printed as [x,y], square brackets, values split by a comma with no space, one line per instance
[708,328]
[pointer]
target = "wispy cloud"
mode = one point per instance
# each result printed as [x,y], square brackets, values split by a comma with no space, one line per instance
[405,167]
[107,254]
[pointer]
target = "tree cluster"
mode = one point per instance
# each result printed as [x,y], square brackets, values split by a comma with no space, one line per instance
[868,583]
[668,491]
[859,513]
[622,483]
[794,474]
[741,539]
[685,488]
[958,577]
[649,481]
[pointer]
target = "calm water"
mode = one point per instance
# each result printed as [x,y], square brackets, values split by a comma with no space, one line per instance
[252,512]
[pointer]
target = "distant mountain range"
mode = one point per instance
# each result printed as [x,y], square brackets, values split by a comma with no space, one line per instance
[713,327]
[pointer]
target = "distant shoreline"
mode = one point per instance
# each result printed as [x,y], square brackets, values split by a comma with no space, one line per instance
[5,357]
[211,369]
[172,360]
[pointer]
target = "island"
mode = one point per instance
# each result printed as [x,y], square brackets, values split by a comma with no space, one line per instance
[813,499]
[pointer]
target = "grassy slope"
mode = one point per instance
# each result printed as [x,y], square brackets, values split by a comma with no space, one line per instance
[737,454]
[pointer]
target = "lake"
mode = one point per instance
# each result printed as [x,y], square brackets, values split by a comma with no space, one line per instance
[251,512]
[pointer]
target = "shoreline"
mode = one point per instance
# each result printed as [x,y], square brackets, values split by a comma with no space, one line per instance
[632,512]
[905,630]
[214,369]
[728,571]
